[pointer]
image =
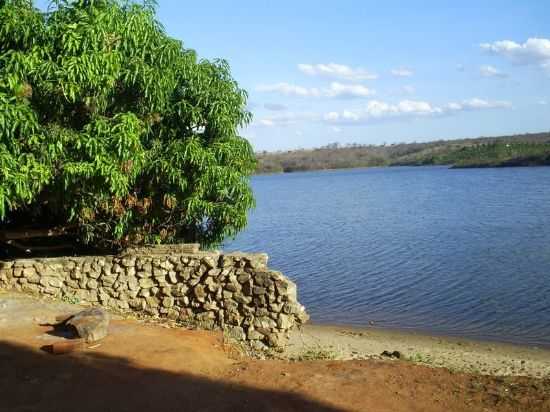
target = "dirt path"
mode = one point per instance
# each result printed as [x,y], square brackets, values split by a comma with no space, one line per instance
[144,367]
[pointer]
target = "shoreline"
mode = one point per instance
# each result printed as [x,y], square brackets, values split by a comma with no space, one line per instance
[389,166]
[411,331]
[342,342]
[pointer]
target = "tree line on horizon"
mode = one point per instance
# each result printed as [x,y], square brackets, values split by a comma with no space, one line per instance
[513,150]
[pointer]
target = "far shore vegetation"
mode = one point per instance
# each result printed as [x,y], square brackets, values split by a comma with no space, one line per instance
[515,150]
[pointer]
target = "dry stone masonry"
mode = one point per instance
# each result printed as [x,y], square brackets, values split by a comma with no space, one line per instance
[235,292]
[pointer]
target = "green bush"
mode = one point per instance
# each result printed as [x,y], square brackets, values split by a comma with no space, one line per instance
[114,130]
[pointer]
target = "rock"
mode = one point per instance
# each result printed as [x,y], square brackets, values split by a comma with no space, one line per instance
[172,277]
[235,332]
[146,283]
[284,322]
[152,302]
[243,277]
[209,261]
[133,284]
[143,274]
[264,322]
[90,324]
[253,334]
[258,345]
[233,287]
[200,294]
[92,284]
[276,340]
[394,355]
[210,306]
[258,290]
[168,302]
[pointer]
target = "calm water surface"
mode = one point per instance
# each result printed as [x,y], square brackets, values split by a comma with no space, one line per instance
[455,252]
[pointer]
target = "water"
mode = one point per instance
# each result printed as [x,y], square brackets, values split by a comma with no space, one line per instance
[454,252]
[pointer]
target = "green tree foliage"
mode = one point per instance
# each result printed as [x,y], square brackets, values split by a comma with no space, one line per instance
[111,127]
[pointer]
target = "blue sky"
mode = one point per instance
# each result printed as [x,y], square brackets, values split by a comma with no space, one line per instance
[374,72]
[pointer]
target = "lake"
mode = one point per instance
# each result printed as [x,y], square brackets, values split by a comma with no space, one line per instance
[462,252]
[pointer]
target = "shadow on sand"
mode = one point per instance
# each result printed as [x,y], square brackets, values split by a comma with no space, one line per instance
[36,381]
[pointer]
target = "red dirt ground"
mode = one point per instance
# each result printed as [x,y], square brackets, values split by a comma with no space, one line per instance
[141,367]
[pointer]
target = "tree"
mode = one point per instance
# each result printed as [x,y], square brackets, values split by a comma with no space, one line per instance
[114,131]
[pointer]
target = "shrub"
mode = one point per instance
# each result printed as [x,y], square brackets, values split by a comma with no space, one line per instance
[114,131]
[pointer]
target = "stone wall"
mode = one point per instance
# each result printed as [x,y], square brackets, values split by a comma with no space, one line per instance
[235,292]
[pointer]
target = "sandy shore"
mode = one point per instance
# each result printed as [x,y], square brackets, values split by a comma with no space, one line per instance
[490,358]
[147,366]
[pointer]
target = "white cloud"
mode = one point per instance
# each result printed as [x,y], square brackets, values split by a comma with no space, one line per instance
[337,71]
[289,90]
[477,104]
[347,90]
[543,102]
[534,51]
[377,110]
[285,119]
[402,72]
[335,90]
[490,71]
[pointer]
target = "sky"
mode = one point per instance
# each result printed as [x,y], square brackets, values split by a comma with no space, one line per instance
[374,72]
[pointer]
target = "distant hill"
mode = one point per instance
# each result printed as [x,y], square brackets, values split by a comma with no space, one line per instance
[515,150]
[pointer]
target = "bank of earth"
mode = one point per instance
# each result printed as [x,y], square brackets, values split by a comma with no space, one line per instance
[147,366]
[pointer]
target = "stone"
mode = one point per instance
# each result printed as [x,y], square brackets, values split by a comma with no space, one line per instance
[168,302]
[226,261]
[212,285]
[172,277]
[209,261]
[200,294]
[133,284]
[152,302]
[90,324]
[30,271]
[210,306]
[56,283]
[137,304]
[173,314]
[290,308]
[126,262]
[179,290]
[258,346]
[235,332]
[33,278]
[243,278]
[146,283]
[276,340]
[233,287]
[259,261]
[239,297]
[258,290]
[264,322]
[108,280]
[144,293]
[253,334]
[92,284]
[284,321]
